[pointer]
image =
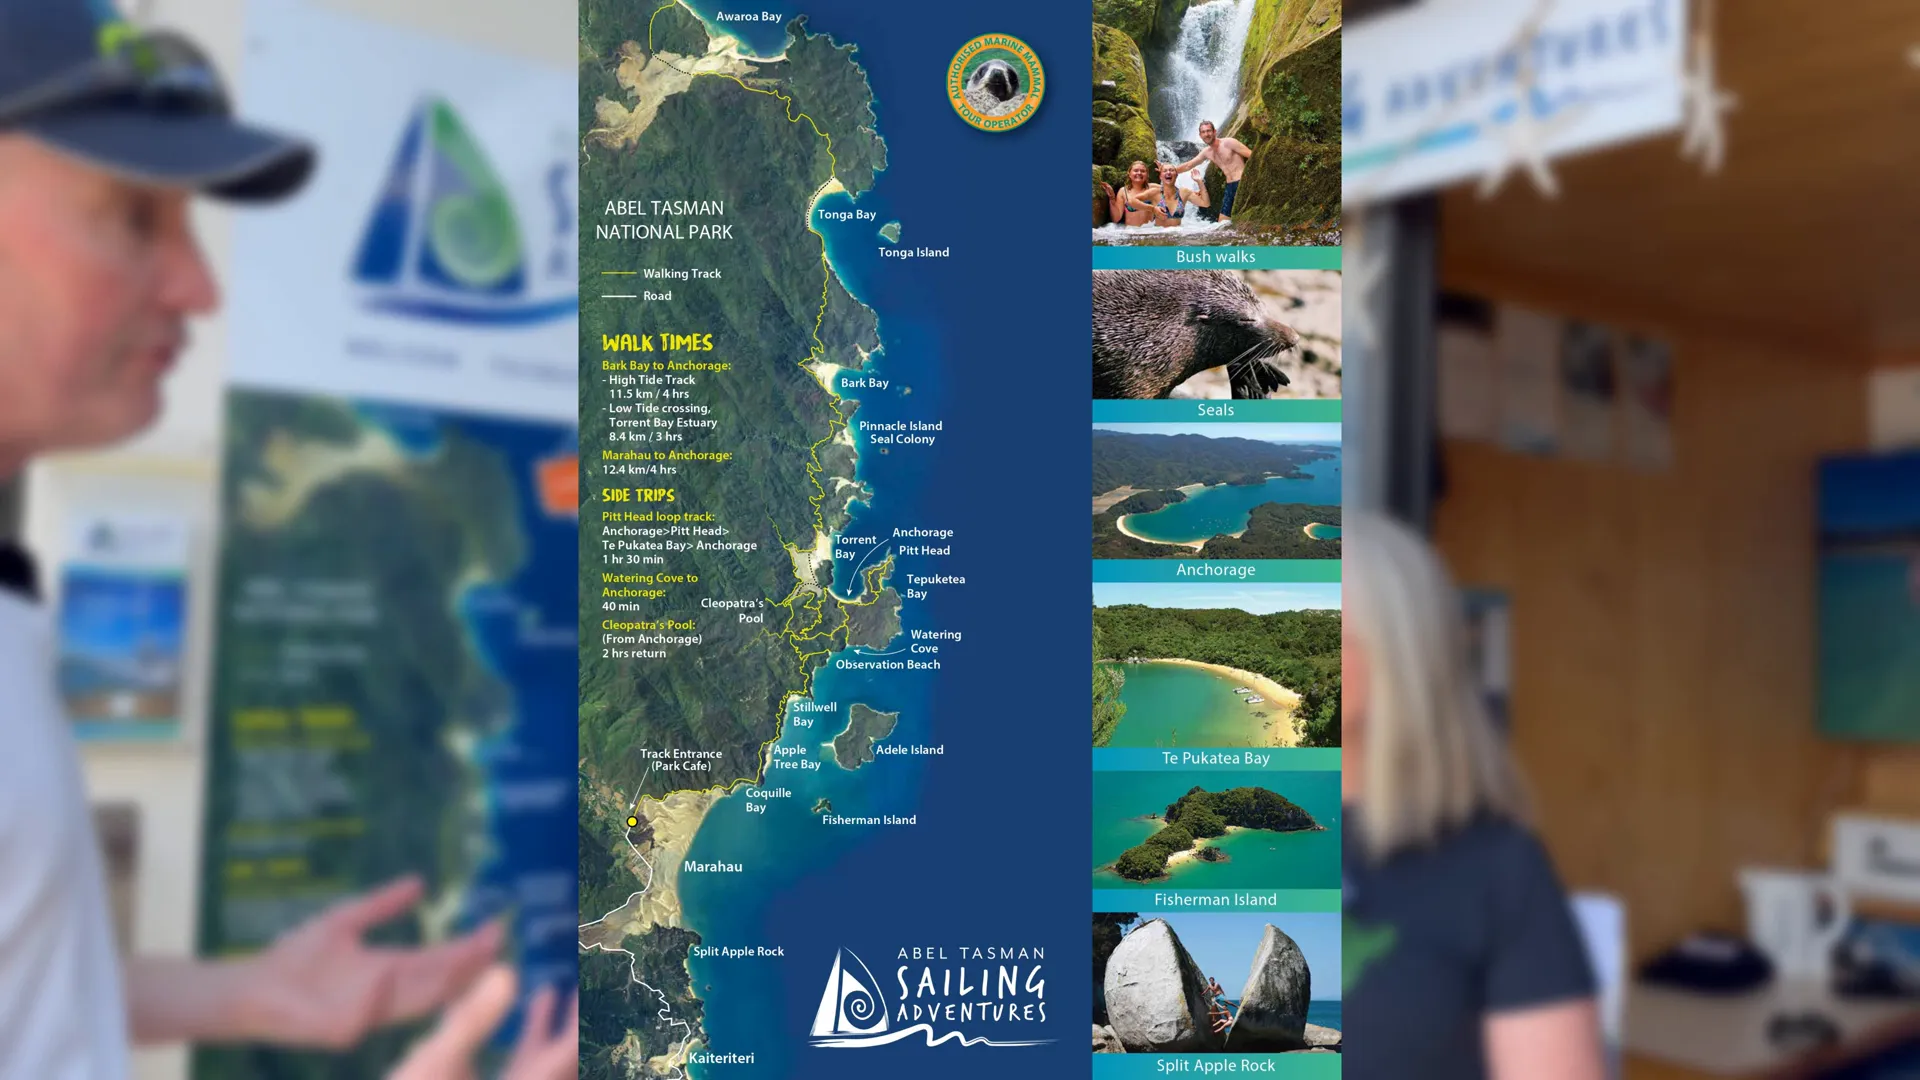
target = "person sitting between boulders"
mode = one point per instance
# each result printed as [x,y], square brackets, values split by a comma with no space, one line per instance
[1219,1009]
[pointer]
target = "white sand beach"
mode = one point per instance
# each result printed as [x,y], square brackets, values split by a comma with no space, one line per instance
[1190,545]
[1192,854]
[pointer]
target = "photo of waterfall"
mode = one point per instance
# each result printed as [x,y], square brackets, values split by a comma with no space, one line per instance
[1216,122]
[1199,75]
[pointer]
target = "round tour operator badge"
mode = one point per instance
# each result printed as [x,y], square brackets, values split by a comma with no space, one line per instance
[995,82]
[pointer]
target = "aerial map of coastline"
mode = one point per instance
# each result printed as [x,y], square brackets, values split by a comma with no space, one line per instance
[716,595]
[785,559]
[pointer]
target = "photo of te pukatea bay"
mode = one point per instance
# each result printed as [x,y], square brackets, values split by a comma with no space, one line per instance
[1234,665]
[1216,492]
[1219,832]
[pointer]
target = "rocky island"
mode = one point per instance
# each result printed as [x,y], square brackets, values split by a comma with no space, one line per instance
[1201,815]
[853,747]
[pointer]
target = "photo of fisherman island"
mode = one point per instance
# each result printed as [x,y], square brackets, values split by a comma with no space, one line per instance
[1200,828]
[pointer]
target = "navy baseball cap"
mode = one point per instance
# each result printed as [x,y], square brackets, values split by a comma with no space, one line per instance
[144,105]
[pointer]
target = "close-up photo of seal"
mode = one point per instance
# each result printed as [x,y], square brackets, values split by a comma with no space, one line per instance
[996,78]
[1155,329]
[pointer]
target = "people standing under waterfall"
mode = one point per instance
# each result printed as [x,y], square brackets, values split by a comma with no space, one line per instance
[1133,204]
[1230,154]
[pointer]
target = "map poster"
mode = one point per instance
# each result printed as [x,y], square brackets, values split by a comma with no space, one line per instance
[396,656]
[833,771]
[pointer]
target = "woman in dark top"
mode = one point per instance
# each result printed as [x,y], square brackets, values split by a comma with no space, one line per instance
[1462,960]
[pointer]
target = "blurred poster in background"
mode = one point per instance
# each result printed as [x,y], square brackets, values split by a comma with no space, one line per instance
[1466,369]
[123,600]
[1646,394]
[395,670]
[1586,391]
[1526,346]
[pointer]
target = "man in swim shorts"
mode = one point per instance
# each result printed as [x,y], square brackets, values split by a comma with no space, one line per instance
[1229,154]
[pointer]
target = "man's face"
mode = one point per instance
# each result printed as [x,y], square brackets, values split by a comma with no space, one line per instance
[1206,134]
[98,276]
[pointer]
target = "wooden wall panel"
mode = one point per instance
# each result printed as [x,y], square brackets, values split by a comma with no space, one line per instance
[1663,628]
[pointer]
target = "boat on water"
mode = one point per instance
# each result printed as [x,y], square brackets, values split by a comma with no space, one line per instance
[1255,700]
[1242,690]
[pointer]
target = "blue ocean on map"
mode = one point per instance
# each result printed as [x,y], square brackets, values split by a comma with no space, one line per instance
[963,341]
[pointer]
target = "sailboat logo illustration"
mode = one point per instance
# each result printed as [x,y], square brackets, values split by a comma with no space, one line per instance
[444,241]
[853,1014]
[851,1007]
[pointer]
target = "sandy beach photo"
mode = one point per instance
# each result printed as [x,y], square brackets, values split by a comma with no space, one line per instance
[1216,665]
[1216,490]
[1191,545]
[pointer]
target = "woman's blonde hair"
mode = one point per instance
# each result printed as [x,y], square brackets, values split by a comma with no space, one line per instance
[1433,759]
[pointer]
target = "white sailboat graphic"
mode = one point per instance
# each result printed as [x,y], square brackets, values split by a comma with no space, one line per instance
[849,1006]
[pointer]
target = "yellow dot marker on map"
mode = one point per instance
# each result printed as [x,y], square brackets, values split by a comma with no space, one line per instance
[633,823]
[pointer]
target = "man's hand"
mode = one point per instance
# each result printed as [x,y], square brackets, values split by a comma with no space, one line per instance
[541,1054]
[322,985]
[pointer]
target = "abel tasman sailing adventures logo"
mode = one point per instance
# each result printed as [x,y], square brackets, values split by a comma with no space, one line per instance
[1000,988]
[444,241]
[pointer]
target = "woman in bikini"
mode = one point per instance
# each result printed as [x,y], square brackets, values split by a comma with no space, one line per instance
[1169,210]
[1133,204]
[1171,202]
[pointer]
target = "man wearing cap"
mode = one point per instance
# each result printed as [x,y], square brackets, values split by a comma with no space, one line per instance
[105,134]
